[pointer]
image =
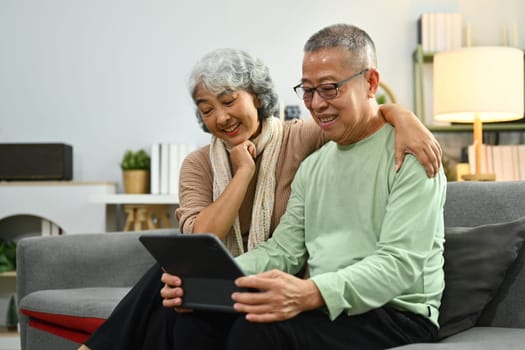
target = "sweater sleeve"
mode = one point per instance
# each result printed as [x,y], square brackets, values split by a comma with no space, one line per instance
[195,188]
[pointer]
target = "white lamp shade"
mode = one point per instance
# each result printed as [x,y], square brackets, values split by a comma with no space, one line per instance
[486,82]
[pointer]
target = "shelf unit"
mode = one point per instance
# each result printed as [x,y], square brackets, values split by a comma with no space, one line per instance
[419,59]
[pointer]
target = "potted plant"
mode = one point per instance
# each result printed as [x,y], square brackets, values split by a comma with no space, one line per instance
[7,255]
[135,167]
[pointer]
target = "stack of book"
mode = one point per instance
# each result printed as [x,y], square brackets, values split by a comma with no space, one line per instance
[506,161]
[166,160]
[440,31]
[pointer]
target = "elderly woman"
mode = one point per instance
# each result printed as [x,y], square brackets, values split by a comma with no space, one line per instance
[237,187]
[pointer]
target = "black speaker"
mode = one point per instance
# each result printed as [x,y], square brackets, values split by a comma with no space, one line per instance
[36,161]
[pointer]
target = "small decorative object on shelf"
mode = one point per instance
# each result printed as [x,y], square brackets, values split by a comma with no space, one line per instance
[292,112]
[385,94]
[136,171]
[12,314]
[36,162]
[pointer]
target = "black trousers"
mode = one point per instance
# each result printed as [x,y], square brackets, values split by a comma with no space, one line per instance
[139,322]
[377,329]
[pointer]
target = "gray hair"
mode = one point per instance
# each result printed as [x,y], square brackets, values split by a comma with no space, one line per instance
[224,70]
[351,38]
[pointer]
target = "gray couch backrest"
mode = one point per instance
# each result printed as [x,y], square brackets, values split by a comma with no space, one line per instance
[479,203]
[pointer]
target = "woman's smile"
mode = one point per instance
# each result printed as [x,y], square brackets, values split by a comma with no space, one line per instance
[233,129]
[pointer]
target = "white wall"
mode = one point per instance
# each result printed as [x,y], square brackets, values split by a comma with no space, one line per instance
[107,75]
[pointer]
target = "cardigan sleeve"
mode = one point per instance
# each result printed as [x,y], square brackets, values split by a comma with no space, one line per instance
[195,188]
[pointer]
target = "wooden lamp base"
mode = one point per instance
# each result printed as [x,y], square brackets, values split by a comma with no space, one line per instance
[478,141]
[479,177]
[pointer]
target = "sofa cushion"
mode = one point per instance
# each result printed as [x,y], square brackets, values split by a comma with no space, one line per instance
[476,338]
[476,260]
[71,313]
[497,337]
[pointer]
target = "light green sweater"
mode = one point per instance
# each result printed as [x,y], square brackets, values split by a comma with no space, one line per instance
[370,236]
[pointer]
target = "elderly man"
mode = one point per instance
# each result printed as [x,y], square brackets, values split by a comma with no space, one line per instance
[371,237]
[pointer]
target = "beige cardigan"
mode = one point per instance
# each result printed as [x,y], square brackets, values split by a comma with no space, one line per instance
[300,138]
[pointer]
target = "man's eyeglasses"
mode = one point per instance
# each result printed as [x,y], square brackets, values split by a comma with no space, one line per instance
[326,91]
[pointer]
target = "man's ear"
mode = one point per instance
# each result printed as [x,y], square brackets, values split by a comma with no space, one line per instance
[373,78]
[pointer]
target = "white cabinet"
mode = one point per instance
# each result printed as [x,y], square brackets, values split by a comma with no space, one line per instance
[62,203]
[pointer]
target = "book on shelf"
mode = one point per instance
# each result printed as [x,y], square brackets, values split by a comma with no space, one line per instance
[174,163]
[503,162]
[521,160]
[507,162]
[164,168]
[155,169]
[166,161]
[440,31]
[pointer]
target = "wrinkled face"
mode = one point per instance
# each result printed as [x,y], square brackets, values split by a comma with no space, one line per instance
[230,116]
[343,117]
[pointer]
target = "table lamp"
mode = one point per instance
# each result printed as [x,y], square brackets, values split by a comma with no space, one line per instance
[479,85]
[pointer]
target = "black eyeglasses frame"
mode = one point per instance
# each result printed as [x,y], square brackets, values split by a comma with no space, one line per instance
[301,91]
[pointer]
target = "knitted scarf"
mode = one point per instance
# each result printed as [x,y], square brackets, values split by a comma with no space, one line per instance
[269,141]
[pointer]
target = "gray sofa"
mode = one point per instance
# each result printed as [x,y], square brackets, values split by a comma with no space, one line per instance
[483,305]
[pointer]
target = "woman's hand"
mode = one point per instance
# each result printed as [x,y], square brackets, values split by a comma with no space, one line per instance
[242,156]
[220,215]
[414,138]
[172,292]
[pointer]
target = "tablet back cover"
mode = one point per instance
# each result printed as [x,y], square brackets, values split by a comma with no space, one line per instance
[207,269]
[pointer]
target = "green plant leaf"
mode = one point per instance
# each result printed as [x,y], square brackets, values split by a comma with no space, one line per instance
[7,255]
[135,160]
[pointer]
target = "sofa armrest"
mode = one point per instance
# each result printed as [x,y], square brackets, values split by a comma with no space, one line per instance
[81,260]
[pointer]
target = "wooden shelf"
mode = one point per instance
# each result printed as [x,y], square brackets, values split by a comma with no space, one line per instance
[486,127]
[421,56]
[8,274]
[135,198]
